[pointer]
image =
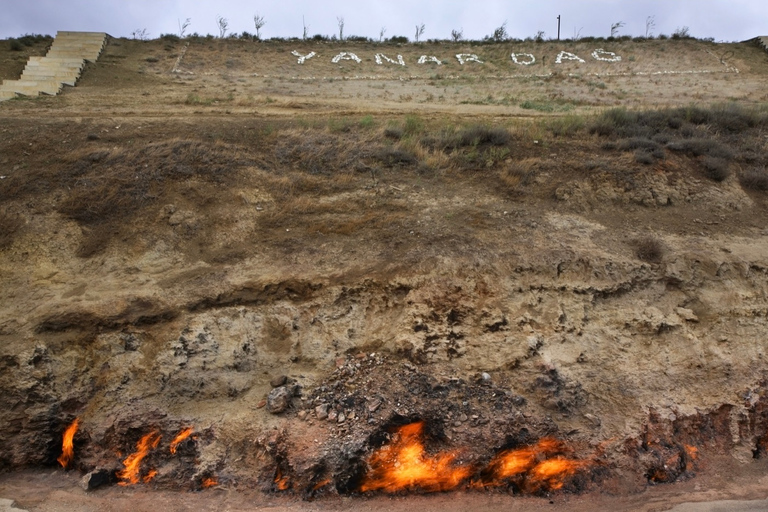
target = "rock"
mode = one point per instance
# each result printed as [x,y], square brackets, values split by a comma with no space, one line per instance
[593,419]
[261,404]
[278,381]
[278,400]
[321,411]
[463,417]
[130,342]
[94,479]
[342,418]
[486,377]
[302,415]
[687,315]
[332,416]
[373,405]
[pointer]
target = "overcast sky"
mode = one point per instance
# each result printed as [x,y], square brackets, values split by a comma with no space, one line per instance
[725,20]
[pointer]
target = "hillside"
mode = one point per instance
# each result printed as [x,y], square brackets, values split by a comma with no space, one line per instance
[509,253]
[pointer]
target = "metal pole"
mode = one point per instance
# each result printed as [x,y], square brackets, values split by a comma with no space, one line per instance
[558,27]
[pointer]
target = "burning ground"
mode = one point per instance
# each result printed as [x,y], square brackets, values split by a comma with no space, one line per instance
[386,305]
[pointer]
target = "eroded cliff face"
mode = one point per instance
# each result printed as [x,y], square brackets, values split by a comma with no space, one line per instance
[618,307]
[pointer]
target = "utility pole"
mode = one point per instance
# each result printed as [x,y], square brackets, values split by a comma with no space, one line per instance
[558,27]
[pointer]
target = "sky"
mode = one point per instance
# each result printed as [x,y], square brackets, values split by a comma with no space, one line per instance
[723,20]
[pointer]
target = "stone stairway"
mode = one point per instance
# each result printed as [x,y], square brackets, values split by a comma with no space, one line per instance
[61,66]
[763,41]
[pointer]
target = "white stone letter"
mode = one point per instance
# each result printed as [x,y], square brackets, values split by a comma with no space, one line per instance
[468,57]
[567,56]
[429,58]
[303,58]
[345,56]
[380,58]
[528,59]
[605,56]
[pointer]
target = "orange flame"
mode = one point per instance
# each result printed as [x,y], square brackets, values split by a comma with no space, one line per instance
[179,438]
[209,482]
[281,482]
[551,474]
[67,445]
[403,464]
[132,463]
[539,464]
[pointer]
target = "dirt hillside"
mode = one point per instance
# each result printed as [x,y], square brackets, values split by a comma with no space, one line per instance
[299,262]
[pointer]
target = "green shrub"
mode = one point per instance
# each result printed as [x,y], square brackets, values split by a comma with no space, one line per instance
[15,45]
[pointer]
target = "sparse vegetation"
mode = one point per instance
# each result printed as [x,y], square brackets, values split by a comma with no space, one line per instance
[715,168]
[649,249]
[755,179]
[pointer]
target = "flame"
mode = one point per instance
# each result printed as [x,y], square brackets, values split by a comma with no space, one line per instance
[281,482]
[179,438]
[403,464]
[551,474]
[132,463]
[209,482]
[152,473]
[538,467]
[67,444]
[692,452]
[321,484]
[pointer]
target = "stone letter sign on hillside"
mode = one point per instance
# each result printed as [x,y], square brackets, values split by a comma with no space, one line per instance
[521,59]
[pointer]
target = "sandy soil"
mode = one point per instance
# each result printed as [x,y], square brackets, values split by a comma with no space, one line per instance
[173,242]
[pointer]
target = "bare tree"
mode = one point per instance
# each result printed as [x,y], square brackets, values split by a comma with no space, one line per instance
[306,28]
[184,26]
[500,33]
[140,33]
[340,21]
[615,28]
[681,33]
[381,33]
[419,31]
[223,24]
[539,37]
[577,33]
[650,24]
[457,35]
[258,22]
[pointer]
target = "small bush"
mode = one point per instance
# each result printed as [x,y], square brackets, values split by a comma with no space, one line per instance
[479,135]
[716,168]
[755,179]
[701,147]
[639,143]
[394,133]
[394,157]
[642,156]
[649,249]
[16,46]
[171,38]
[398,39]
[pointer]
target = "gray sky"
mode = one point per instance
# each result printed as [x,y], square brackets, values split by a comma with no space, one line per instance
[725,20]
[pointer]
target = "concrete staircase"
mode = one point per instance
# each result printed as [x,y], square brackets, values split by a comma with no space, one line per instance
[763,41]
[61,66]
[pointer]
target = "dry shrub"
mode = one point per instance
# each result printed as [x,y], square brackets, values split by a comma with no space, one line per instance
[479,135]
[649,249]
[519,173]
[755,179]
[716,169]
